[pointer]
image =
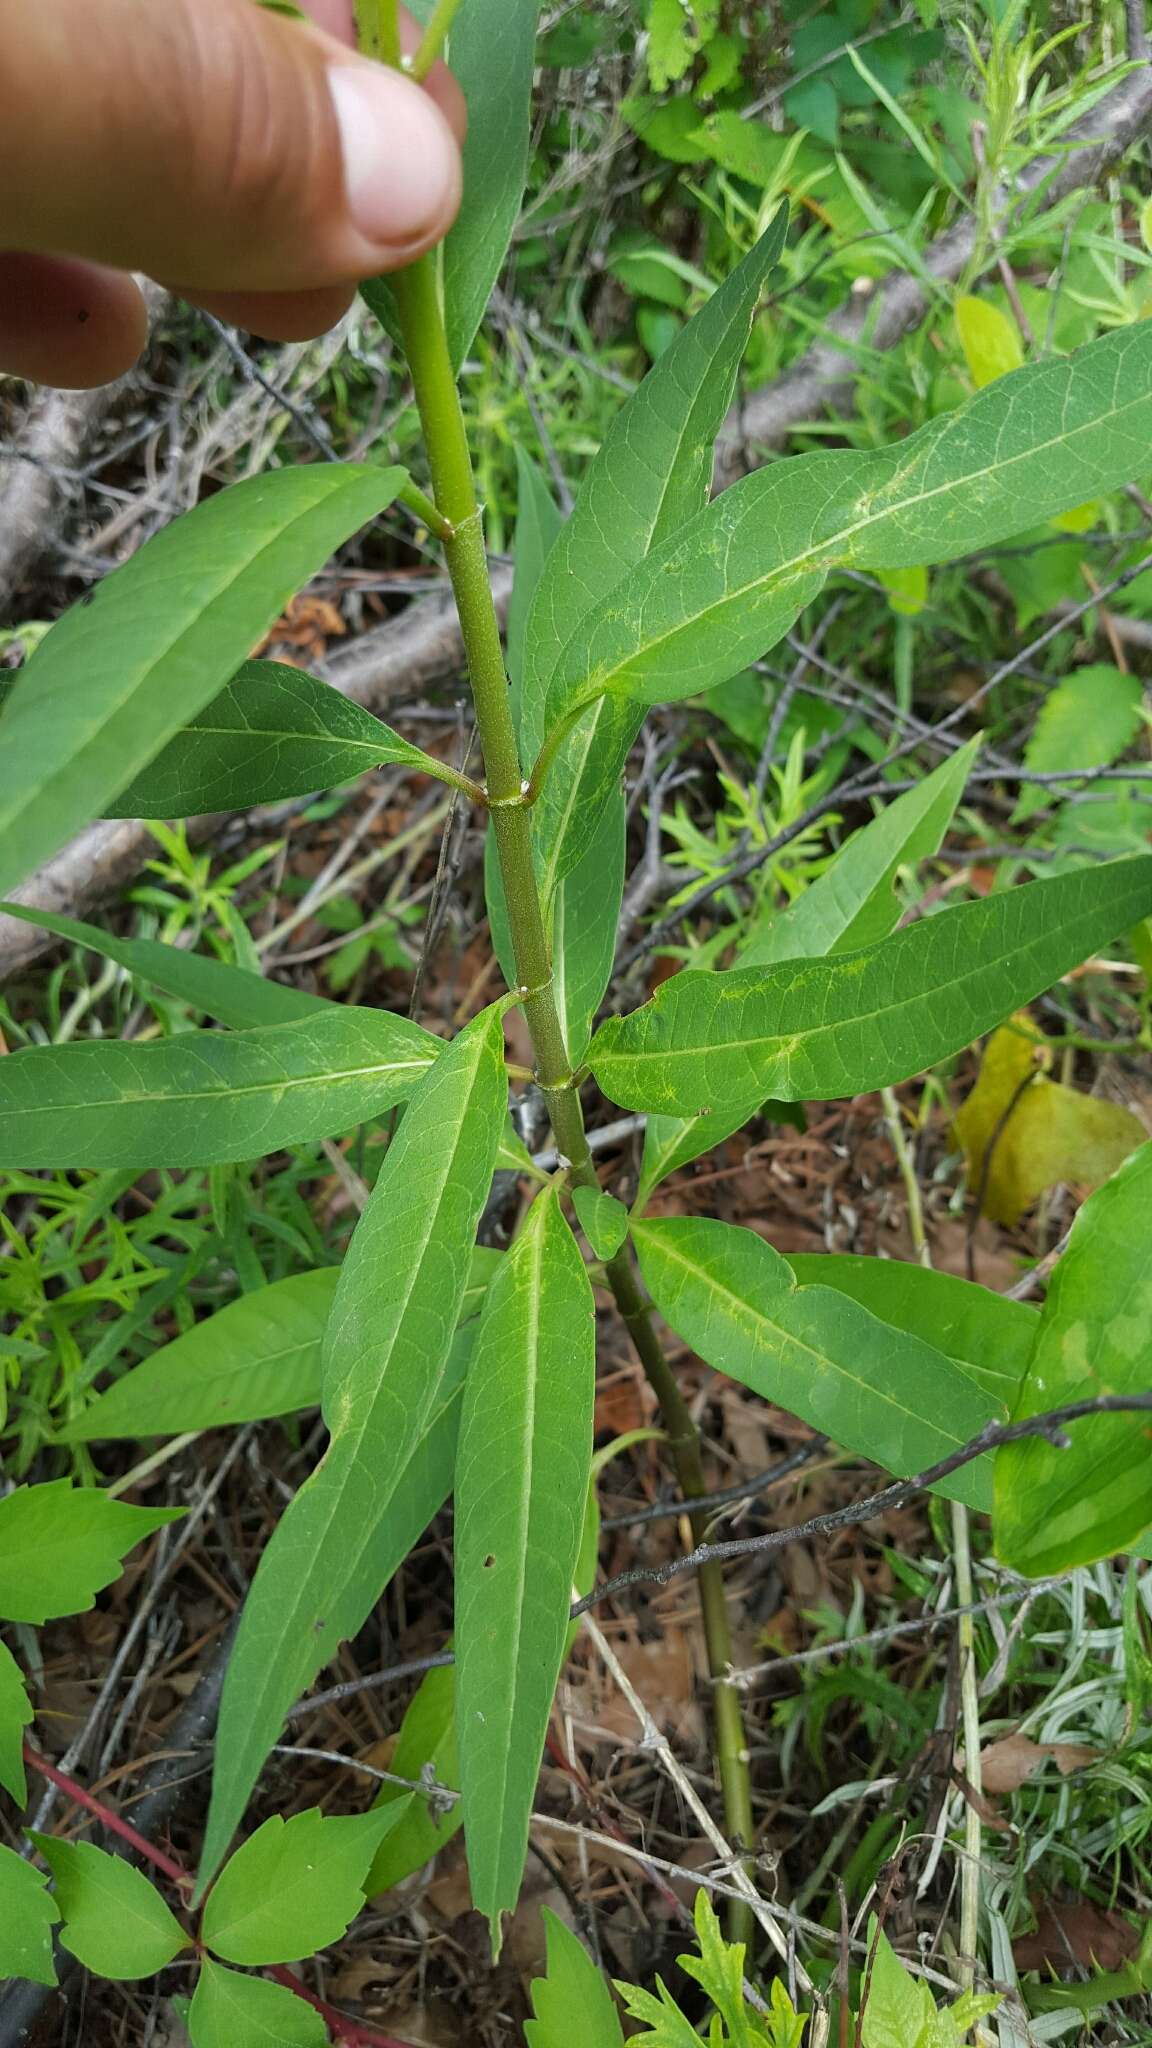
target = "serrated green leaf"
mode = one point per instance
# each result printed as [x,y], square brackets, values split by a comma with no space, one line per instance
[988,1336]
[853,902]
[15,1717]
[387,1469]
[115,1921]
[667,2025]
[230,2011]
[491,50]
[521,1487]
[898,2008]
[1059,1508]
[734,579]
[572,2003]
[232,995]
[427,1740]
[59,1545]
[603,1220]
[206,1097]
[824,1029]
[158,639]
[257,1358]
[1085,722]
[293,1887]
[815,1352]
[272,732]
[28,1913]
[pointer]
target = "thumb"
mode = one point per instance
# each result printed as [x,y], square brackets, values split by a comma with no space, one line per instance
[216,142]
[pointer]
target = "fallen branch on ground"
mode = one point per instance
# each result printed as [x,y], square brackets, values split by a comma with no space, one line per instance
[1049,1427]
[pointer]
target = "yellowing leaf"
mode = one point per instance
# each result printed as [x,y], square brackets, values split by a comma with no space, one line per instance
[907,589]
[1037,1131]
[990,342]
[1079,519]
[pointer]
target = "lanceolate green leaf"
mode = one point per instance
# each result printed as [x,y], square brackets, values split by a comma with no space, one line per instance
[60,1545]
[257,1358]
[812,1350]
[387,1344]
[821,1029]
[427,1740]
[205,1097]
[538,522]
[987,1335]
[233,995]
[585,921]
[734,579]
[853,903]
[521,1487]
[158,640]
[229,2010]
[1059,1508]
[651,474]
[731,582]
[28,1913]
[272,732]
[293,1887]
[491,49]
[115,1922]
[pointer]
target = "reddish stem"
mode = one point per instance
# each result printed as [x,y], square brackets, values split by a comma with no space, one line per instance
[346,2031]
[107,1817]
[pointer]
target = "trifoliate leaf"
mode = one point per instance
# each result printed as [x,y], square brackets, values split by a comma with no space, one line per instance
[294,1886]
[28,1913]
[115,1921]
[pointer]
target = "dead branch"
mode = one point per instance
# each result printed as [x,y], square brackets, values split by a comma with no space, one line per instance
[1049,1428]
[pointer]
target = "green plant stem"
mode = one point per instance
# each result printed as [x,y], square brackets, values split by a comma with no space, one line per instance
[422,328]
[378,30]
[434,37]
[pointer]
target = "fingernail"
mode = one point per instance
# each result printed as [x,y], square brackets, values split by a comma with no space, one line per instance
[401,165]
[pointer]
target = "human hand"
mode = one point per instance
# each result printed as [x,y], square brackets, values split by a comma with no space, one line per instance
[255,164]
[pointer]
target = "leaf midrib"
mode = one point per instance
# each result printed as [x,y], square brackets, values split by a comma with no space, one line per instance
[278,1088]
[802,1037]
[819,1357]
[816,558]
[354,1441]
